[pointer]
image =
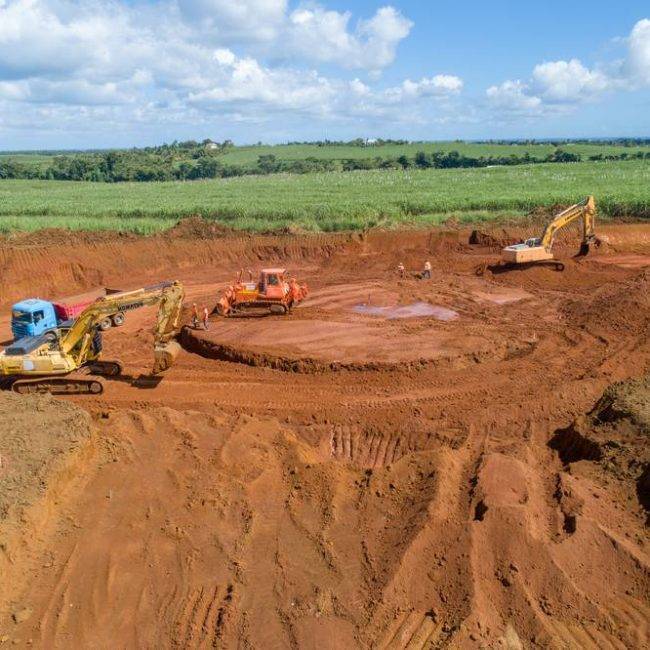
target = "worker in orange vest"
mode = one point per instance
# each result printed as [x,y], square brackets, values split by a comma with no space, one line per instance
[195,316]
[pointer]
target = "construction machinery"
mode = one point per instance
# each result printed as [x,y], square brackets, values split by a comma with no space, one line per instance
[34,316]
[538,249]
[71,364]
[271,292]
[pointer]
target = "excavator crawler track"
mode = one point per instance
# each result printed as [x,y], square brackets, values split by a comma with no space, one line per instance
[69,385]
[111,368]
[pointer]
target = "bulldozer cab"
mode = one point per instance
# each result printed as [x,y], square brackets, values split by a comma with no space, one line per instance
[272,282]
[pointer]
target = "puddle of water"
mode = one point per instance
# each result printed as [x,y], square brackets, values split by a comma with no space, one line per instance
[417,309]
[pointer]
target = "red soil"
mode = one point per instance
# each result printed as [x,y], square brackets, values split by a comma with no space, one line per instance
[397,491]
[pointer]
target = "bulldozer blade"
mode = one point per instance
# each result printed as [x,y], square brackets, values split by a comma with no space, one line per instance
[164,356]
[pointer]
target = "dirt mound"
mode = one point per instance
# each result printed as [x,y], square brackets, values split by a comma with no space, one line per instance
[36,432]
[196,227]
[615,309]
[62,237]
[43,448]
[494,240]
[611,443]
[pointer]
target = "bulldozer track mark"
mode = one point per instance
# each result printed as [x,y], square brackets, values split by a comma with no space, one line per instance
[634,616]
[374,449]
[198,622]
[411,631]
[579,637]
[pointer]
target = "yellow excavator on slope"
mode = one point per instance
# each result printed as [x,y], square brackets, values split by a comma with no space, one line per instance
[538,250]
[67,364]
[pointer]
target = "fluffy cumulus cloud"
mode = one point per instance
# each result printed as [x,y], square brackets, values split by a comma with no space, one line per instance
[568,81]
[325,35]
[558,86]
[512,96]
[637,67]
[183,59]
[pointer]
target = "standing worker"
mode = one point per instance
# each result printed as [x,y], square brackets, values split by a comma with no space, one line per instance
[401,271]
[195,316]
[426,274]
[205,318]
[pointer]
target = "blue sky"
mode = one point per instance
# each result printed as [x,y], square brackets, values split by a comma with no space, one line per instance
[105,73]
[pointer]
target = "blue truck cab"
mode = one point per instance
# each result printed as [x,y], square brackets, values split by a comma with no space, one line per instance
[32,317]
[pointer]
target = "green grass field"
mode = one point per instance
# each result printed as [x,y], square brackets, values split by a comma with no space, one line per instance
[249,155]
[328,202]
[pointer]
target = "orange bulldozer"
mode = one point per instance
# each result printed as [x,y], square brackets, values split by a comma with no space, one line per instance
[271,292]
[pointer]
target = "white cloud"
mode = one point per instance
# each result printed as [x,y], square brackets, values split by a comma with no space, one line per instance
[323,35]
[638,61]
[229,21]
[555,87]
[224,56]
[569,81]
[359,88]
[512,96]
[187,59]
[558,86]
[248,82]
[74,92]
[439,86]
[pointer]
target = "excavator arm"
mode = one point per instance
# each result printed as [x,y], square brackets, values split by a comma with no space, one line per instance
[77,341]
[585,210]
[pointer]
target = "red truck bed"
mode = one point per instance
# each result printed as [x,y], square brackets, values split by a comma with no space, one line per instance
[71,307]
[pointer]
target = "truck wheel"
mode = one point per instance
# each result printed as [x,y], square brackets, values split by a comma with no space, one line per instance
[50,337]
[118,320]
[105,324]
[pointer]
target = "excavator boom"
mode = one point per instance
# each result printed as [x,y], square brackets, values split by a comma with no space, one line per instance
[585,210]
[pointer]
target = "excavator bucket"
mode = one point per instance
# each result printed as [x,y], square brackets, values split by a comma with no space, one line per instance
[584,249]
[164,356]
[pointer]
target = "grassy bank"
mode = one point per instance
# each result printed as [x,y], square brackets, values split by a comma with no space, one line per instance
[328,202]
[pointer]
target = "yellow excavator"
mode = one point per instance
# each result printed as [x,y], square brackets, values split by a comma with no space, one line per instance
[66,365]
[538,249]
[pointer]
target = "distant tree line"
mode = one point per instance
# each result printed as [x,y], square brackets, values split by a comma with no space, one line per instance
[201,160]
[613,142]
